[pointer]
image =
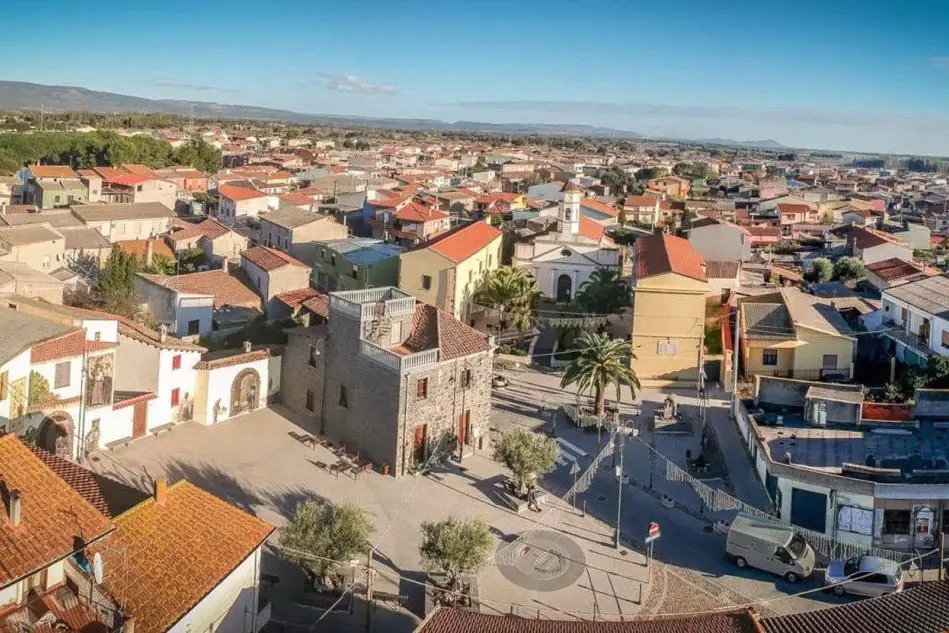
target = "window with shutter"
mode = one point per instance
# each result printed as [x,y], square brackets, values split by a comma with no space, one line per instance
[61,378]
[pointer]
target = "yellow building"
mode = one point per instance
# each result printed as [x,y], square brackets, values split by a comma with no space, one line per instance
[669,288]
[794,334]
[446,271]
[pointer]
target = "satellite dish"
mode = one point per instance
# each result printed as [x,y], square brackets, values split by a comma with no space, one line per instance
[98,570]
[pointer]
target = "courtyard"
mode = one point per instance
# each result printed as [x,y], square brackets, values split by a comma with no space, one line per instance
[563,562]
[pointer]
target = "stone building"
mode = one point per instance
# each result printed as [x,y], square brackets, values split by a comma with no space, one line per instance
[393,379]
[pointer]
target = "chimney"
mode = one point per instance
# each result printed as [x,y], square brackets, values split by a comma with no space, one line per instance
[149,251]
[162,333]
[161,490]
[247,347]
[15,508]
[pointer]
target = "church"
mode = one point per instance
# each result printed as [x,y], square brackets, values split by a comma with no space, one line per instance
[562,251]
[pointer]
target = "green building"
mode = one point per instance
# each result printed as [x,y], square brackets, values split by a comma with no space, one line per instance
[62,192]
[354,264]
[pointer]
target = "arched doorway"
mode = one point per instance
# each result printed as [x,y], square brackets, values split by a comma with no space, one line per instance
[564,289]
[245,392]
[56,434]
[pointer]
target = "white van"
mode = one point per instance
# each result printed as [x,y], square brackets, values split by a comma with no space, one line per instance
[769,545]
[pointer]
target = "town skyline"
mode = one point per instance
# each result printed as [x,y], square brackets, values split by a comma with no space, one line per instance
[847,89]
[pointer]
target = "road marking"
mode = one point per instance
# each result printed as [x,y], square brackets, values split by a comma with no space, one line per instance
[560,461]
[579,451]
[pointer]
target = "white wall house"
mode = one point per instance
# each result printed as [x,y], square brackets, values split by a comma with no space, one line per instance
[185,313]
[232,382]
[916,318]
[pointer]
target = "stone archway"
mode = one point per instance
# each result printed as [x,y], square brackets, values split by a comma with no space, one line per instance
[56,434]
[245,392]
[564,289]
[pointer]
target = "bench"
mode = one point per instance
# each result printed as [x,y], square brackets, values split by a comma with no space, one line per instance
[161,428]
[119,443]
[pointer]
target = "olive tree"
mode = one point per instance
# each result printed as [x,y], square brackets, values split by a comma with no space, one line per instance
[526,455]
[454,546]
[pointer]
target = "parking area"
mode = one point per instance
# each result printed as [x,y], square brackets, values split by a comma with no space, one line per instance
[255,462]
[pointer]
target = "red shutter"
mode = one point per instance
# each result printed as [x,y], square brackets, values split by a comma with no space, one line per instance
[175,394]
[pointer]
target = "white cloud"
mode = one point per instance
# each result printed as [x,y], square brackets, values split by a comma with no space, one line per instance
[352,83]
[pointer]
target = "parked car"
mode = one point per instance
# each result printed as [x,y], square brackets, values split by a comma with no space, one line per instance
[499,382]
[864,576]
[770,546]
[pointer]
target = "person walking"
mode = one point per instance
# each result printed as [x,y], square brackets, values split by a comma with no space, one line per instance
[532,498]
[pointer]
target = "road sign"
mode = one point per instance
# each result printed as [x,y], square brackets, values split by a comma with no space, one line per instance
[653,533]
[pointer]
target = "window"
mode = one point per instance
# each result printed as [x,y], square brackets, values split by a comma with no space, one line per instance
[194,327]
[829,361]
[466,378]
[421,389]
[309,400]
[355,271]
[896,521]
[343,397]
[769,358]
[61,378]
[175,396]
[426,282]
[311,357]
[4,379]
[176,361]
[945,338]
[98,336]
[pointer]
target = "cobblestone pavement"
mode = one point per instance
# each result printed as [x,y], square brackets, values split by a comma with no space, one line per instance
[254,462]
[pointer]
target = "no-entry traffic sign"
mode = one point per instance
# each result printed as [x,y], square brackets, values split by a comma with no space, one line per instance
[653,532]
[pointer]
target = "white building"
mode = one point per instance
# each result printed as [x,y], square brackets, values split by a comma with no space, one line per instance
[563,252]
[235,381]
[916,319]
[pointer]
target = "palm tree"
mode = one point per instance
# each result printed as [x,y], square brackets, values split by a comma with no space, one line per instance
[513,291]
[604,292]
[601,361]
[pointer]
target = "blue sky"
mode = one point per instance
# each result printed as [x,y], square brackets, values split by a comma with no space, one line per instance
[860,75]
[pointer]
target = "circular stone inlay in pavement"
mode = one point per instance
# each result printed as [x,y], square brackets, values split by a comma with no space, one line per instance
[542,561]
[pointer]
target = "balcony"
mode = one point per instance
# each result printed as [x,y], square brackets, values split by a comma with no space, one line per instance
[919,343]
[364,304]
[398,363]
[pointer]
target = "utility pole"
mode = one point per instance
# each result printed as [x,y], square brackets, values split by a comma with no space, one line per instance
[369,581]
[619,483]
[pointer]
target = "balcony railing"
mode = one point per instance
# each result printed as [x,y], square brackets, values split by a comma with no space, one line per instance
[916,342]
[807,374]
[364,304]
[396,362]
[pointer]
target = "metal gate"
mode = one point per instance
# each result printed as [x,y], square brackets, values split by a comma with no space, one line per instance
[809,509]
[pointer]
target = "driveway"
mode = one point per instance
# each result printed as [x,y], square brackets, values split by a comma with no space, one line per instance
[565,563]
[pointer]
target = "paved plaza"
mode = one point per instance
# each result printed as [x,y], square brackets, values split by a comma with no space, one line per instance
[548,563]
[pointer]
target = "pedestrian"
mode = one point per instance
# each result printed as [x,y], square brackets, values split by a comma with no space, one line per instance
[532,498]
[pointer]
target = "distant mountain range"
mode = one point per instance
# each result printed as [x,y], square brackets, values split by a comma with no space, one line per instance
[21,95]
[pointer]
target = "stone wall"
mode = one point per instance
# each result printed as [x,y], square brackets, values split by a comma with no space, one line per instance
[298,376]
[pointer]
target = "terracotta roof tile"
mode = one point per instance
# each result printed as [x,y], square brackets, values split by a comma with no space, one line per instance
[591,229]
[663,253]
[209,228]
[415,212]
[296,298]
[894,268]
[172,554]
[461,243]
[106,495]
[237,194]
[67,346]
[138,247]
[53,514]
[319,305]
[923,609]
[446,620]
[268,259]
[600,207]
[433,328]
[124,399]
[641,201]
[789,207]
[226,288]
[231,357]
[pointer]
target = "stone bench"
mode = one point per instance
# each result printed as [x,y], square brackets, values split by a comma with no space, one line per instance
[158,430]
[119,443]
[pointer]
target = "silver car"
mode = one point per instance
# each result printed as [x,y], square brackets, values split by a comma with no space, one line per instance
[864,576]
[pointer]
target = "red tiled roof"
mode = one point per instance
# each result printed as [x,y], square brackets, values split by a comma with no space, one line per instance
[788,207]
[232,357]
[108,173]
[67,346]
[138,247]
[268,259]
[296,298]
[106,495]
[126,180]
[662,253]
[894,268]
[433,328]
[463,242]
[124,399]
[415,212]
[388,203]
[640,201]
[172,554]
[319,305]
[53,171]
[53,515]
[237,194]
[139,170]
[591,229]
[226,288]
[447,620]
[600,207]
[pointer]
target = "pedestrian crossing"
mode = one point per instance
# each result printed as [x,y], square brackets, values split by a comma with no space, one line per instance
[568,452]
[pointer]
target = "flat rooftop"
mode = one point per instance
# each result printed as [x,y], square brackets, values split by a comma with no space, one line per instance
[895,446]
